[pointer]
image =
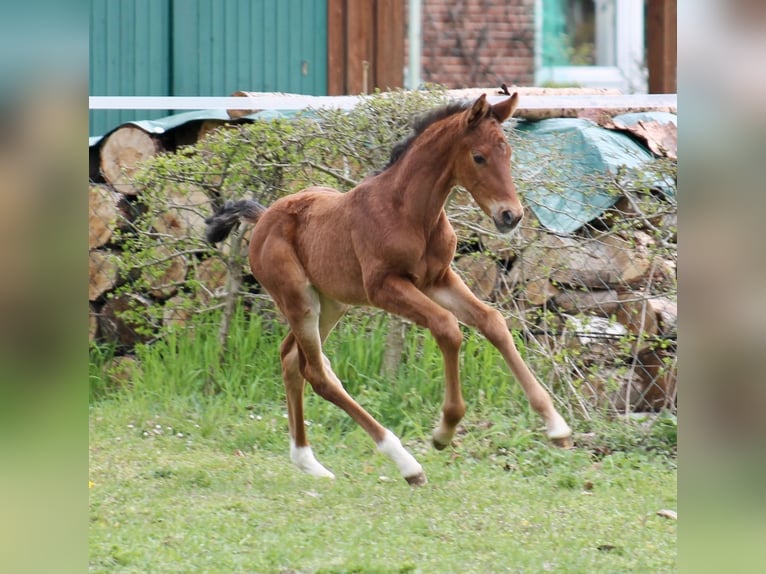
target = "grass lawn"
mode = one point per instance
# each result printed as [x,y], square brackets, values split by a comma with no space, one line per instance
[209,488]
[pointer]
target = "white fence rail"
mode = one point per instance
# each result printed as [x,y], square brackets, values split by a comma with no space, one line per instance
[296,102]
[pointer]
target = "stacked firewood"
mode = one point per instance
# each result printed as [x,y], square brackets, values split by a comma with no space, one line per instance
[606,294]
[609,295]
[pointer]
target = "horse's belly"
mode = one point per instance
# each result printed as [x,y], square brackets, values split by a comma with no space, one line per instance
[326,251]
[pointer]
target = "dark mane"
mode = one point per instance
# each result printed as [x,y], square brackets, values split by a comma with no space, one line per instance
[420,124]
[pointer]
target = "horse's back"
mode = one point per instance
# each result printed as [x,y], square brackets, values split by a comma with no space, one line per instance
[308,233]
[311,212]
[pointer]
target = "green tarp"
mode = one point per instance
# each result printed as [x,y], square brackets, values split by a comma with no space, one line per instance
[569,157]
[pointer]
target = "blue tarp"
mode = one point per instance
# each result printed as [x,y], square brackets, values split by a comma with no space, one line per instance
[570,155]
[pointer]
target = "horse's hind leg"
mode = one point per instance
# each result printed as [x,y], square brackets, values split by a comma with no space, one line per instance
[300,451]
[304,314]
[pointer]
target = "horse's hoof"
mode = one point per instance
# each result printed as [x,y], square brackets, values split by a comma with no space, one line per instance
[563,442]
[416,479]
[438,445]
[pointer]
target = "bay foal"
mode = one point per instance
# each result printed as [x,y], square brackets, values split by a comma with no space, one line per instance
[387,243]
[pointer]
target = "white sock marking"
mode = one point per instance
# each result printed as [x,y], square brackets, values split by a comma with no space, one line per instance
[303,458]
[392,447]
[442,434]
[558,428]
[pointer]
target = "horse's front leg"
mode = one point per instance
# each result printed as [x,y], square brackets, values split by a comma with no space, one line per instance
[454,295]
[399,296]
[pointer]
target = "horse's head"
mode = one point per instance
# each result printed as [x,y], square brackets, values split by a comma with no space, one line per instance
[483,159]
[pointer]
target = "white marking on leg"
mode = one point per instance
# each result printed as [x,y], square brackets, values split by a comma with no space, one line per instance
[442,434]
[392,447]
[557,427]
[303,458]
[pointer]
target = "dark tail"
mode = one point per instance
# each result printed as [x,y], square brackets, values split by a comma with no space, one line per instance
[220,224]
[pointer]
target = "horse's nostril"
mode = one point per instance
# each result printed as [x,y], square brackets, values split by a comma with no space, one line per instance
[510,219]
[506,220]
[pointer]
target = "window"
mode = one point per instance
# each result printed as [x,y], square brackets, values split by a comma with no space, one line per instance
[591,43]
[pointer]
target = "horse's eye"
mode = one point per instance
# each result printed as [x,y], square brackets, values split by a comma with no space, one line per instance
[479,159]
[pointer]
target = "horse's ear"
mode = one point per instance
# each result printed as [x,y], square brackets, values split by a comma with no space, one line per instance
[478,111]
[504,110]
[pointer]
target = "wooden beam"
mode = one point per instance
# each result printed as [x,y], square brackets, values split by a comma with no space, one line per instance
[389,44]
[661,24]
[360,46]
[336,47]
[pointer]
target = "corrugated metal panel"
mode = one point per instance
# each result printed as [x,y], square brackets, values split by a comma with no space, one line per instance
[259,45]
[203,48]
[129,56]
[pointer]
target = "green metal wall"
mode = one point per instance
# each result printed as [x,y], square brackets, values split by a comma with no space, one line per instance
[129,56]
[203,48]
[250,45]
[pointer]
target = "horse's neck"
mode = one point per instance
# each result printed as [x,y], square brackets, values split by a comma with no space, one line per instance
[423,183]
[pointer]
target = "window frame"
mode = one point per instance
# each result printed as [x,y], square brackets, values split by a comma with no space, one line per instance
[629,72]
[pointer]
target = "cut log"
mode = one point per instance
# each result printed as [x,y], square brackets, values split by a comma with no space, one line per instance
[613,388]
[601,302]
[540,291]
[102,215]
[514,307]
[602,263]
[647,318]
[108,211]
[103,273]
[115,328]
[667,316]
[642,207]
[657,370]
[176,313]
[169,271]
[595,337]
[235,114]
[479,272]
[192,132]
[516,319]
[94,167]
[208,127]
[184,216]
[598,115]
[210,276]
[578,109]
[183,135]
[121,153]
[548,330]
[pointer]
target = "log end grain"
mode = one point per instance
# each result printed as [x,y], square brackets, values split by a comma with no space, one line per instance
[121,153]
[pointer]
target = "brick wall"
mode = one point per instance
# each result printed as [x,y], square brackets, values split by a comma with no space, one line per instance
[470,43]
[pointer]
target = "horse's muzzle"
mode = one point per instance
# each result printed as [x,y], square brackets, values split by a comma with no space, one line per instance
[507,221]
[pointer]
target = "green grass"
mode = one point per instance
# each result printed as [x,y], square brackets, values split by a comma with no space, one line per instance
[189,470]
